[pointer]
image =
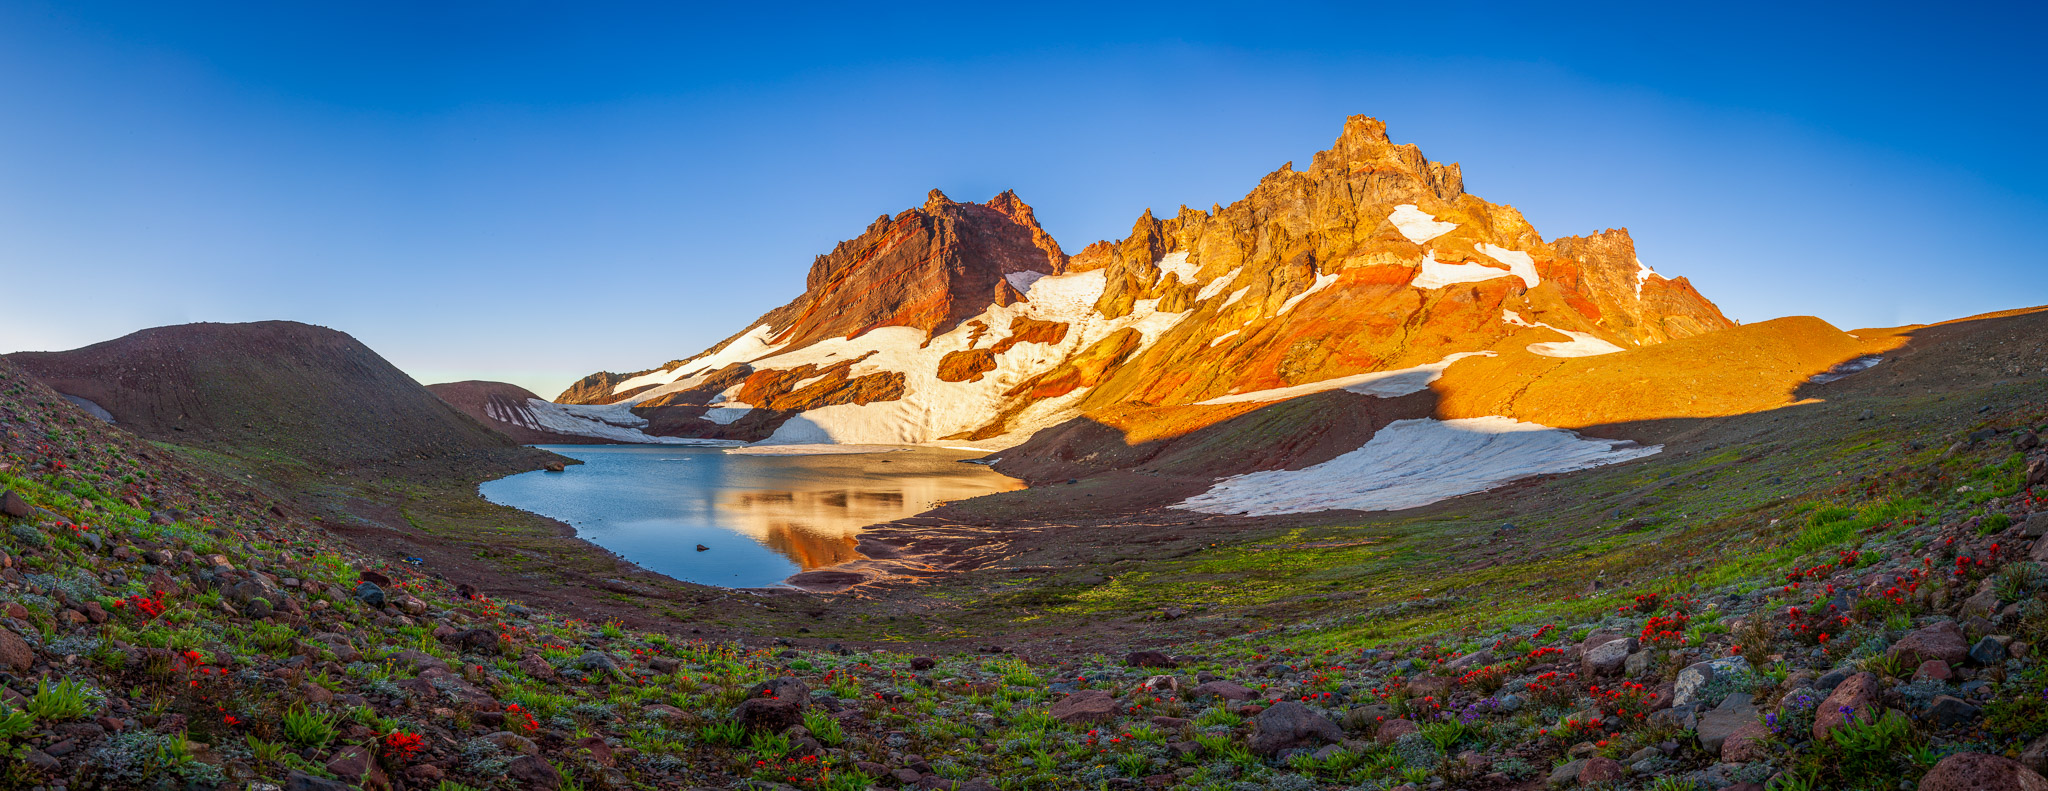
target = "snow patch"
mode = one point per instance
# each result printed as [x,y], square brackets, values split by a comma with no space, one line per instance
[1220,338]
[1418,225]
[1022,281]
[728,413]
[1643,275]
[1841,370]
[1412,463]
[1437,274]
[1235,296]
[813,450]
[1582,344]
[1384,384]
[609,422]
[1519,263]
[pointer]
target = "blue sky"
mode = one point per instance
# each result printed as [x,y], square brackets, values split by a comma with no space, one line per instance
[530,192]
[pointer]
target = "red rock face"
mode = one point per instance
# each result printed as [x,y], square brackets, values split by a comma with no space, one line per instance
[931,268]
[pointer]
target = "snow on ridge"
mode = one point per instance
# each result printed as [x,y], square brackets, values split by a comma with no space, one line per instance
[750,345]
[1416,462]
[1322,282]
[1418,225]
[1177,263]
[1519,263]
[1214,287]
[1384,384]
[1643,274]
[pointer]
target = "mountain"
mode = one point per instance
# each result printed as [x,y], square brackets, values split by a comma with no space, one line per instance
[1369,283]
[310,394]
[964,323]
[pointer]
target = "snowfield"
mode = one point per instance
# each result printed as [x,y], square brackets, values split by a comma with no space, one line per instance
[1385,384]
[610,422]
[931,408]
[1582,344]
[1412,463]
[1418,225]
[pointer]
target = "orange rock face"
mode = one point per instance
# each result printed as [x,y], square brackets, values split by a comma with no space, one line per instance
[1371,259]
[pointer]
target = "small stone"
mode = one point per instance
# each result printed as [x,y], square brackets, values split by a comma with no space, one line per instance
[1932,670]
[923,663]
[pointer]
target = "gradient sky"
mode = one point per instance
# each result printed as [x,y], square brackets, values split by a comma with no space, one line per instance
[530,192]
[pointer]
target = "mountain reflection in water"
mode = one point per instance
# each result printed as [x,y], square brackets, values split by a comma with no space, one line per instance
[763,517]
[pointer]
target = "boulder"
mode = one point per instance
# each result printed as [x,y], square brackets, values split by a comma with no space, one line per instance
[1222,689]
[1394,729]
[1566,773]
[1746,744]
[1856,697]
[1695,677]
[14,506]
[1289,725]
[1724,720]
[370,595]
[1989,651]
[300,781]
[533,773]
[1607,658]
[1980,772]
[923,663]
[782,688]
[1941,640]
[14,651]
[1602,770]
[768,714]
[1148,659]
[1949,711]
[356,765]
[474,641]
[1088,705]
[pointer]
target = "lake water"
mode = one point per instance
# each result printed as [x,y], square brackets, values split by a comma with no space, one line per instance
[763,517]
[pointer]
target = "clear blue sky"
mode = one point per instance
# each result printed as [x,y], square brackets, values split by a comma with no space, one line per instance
[531,192]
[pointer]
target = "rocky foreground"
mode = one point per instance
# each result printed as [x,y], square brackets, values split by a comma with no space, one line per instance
[164,628]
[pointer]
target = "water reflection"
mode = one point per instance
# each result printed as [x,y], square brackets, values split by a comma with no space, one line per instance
[762,517]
